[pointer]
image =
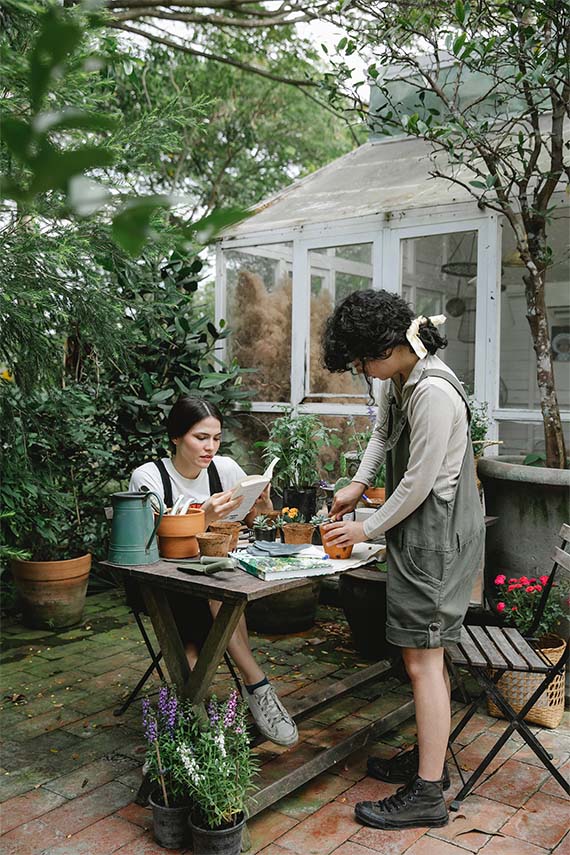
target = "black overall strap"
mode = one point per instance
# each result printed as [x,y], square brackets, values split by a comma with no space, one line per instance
[166,482]
[214,479]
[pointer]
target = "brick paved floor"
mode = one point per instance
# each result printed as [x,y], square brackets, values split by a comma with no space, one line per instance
[70,769]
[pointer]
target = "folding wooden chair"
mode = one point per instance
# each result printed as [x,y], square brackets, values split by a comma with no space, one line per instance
[487,652]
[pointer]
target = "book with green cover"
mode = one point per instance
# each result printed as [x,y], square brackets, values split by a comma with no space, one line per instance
[293,567]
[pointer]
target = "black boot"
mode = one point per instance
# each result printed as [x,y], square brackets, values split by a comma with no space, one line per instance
[401,768]
[420,803]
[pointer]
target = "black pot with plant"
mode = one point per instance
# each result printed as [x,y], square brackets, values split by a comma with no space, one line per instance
[264,528]
[297,440]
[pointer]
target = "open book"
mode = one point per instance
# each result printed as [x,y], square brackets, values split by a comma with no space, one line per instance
[251,489]
[312,561]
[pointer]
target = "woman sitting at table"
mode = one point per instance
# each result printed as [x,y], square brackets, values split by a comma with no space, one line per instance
[196,472]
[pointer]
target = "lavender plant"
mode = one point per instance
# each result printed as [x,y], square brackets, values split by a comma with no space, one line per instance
[216,766]
[165,726]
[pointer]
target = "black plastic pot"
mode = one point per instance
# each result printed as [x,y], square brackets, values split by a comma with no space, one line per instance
[265,534]
[169,824]
[362,594]
[208,841]
[289,611]
[304,500]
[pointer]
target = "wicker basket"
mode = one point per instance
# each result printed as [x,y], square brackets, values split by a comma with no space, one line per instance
[518,686]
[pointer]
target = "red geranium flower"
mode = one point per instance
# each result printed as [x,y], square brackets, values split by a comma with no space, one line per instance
[543,580]
[500,579]
[500,607]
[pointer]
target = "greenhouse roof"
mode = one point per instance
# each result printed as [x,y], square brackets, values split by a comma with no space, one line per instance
[378,177]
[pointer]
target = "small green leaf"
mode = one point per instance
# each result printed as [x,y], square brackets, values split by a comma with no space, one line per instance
[131,226]
[459,11]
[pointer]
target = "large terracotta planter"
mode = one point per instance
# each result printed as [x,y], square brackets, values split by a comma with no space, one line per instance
[177,534]
[52,592]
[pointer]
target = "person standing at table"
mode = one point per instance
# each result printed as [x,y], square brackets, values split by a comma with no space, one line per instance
[432,520]
[196,472]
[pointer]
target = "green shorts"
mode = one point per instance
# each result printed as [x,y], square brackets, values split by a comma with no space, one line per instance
[428,591]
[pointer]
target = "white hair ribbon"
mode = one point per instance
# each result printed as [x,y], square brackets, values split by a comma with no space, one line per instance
[412,333]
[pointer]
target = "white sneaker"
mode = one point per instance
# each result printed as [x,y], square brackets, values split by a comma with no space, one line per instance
[270,716]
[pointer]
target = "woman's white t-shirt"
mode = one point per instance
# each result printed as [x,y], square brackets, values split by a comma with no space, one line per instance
[195,489]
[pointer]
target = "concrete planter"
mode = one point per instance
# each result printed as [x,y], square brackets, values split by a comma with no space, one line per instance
[531,504]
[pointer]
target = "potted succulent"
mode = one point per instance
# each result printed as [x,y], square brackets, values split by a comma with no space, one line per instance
[515,599]
[296,440]
[50,492]
[216,767]
[264,528]
[316,521]
[166,727]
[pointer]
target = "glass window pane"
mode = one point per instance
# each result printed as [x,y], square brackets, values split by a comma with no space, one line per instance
[259,316]
[439,276]
[335,273]
[524,437]
[519,389]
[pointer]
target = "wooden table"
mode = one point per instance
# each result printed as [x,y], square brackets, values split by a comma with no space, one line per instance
[235,589]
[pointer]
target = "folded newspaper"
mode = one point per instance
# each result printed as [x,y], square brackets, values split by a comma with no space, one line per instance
[312,561]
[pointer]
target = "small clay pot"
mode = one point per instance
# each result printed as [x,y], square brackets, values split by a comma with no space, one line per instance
[376,494]
[177,534]
[214,544]
[231,528]
[332,550]
[298,532]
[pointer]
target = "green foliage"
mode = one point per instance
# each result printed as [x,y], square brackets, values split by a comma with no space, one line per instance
[167,725]
[262,521]
[535,458]
[218,766]
[479,423]
[518,599]
[486,84]
[56,456]
[296,440]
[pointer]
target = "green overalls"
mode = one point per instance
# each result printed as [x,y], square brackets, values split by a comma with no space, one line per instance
[434,554]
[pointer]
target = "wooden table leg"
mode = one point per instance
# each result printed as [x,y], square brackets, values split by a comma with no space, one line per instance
[213,649]
[171,644]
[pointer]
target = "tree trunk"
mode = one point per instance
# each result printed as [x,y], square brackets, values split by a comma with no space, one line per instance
[536,314]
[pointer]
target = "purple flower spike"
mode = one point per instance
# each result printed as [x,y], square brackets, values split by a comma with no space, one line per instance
[231,708]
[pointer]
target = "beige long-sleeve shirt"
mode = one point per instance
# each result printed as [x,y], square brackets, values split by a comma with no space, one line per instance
[438,438]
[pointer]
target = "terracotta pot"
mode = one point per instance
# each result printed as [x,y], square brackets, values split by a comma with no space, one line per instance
[177,533]
[376,495]
[334,551]
[231,528]
[52,592]
[214,544]
[298,532]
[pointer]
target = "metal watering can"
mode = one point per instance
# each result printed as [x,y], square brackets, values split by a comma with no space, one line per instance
[133,531]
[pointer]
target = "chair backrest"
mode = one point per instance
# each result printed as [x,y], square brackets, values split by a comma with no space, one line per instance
[561,558]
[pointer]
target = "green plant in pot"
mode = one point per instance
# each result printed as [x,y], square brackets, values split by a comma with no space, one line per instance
[50,494]
[264,528]
[166,726]
[217,768]
[296,441]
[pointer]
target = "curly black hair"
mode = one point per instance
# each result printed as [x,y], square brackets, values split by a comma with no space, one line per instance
[369,325]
